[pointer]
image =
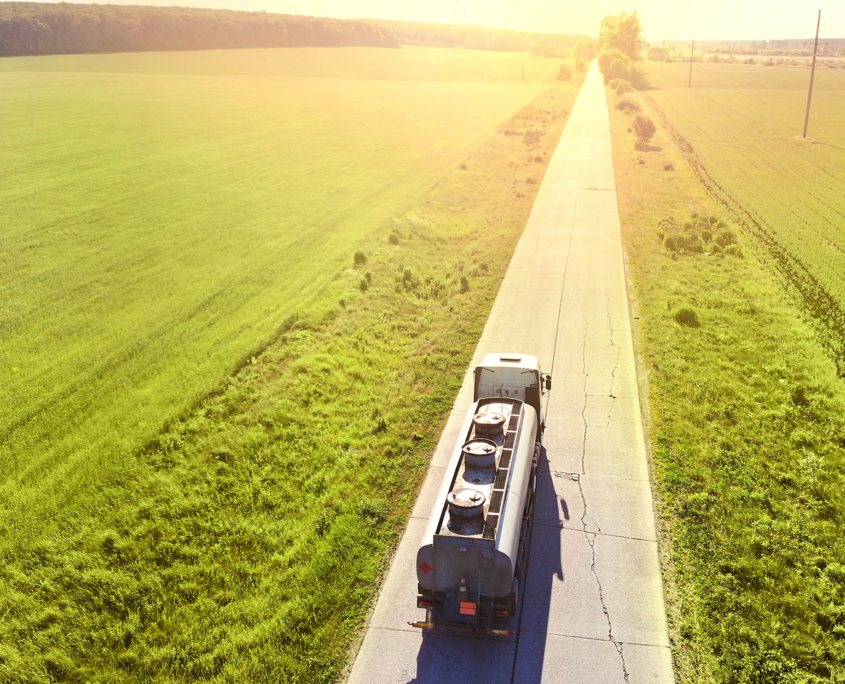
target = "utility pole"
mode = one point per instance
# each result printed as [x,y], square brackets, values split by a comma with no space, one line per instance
[663,52]
[691,53]
[812,75]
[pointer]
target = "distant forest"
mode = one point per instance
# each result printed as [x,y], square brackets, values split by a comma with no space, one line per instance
[475,37]
[33,28]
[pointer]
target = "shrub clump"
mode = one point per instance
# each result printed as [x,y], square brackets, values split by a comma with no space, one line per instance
[700,234]
[422,285]
[627,105]
[615,64]
[686,316]
[644,129]
[531,137]
[360,258]
[393,238]
[621,86]
[373,509]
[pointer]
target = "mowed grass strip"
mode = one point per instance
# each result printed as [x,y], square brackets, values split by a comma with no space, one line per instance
[244,543]
[747,434]
[159,228]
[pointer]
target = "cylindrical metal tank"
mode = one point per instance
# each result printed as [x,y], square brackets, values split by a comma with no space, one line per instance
[484,555]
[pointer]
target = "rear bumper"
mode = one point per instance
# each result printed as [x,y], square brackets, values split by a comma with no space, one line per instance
[451,613]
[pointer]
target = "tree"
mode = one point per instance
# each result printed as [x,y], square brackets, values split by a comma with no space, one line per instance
[622,31]
[655,54]
[564,73]
[585,50]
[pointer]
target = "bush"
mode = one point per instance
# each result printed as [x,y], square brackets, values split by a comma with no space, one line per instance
[531,137]
[393,238]
[619,68]
[606,58]
[564,73]
[360,258]
[464,284]
[626,105]
[725,238]
[580,65]
[687,316]
[615,64]
[644,129]
[623,87]
[372,508]
[364,285]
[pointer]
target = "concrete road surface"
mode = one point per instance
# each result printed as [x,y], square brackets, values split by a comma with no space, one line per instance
[592,608]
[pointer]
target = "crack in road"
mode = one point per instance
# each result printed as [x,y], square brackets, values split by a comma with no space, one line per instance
[615,346]
[588,535]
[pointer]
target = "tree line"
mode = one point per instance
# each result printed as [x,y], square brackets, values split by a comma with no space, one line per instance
[832,50]
[475,37]
[29,28]
[33,28]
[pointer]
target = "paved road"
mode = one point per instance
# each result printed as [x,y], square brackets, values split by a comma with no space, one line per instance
[593,602]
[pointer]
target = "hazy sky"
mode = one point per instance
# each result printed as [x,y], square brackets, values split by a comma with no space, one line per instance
[678,19]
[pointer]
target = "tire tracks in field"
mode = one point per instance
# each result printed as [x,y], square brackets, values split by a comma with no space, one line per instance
[824,308]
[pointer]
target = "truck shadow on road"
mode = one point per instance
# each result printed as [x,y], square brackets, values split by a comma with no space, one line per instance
[447,658]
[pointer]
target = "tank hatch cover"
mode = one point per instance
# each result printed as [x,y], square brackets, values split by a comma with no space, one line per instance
[488,423]
[480,453]
[466,503]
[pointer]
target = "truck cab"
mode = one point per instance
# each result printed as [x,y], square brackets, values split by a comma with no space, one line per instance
[516,376]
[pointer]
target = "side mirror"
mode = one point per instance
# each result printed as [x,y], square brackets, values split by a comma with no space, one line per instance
[547,381]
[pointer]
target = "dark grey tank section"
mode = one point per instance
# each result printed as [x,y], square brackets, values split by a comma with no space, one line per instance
[473,536]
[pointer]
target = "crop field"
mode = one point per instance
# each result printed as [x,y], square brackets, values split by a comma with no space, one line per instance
[165,215]
[740,355]
[740,126]
[172,219]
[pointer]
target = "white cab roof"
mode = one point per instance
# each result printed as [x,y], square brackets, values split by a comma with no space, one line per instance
[524,361]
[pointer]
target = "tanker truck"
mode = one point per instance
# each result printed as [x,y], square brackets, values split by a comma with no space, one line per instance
[473,556]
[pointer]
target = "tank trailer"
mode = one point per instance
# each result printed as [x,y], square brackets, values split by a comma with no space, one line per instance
[474,554]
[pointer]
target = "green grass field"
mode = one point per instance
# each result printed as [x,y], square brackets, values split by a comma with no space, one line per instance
[741,123]
[747,409]
[164,215]
[177,217]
